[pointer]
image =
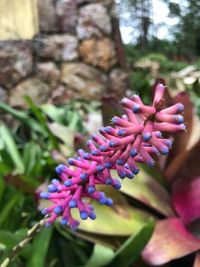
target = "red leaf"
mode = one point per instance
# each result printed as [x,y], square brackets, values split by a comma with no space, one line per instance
[170,241]
[186,190]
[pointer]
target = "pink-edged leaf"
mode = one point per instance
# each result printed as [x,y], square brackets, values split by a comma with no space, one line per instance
[147,190]
[186,199]
[197,260]
[186,189]
[170,241]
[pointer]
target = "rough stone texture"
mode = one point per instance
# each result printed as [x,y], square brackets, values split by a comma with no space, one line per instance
[47,16]
[73,56]
[63,95]
[3,95]
[100,53]
[118,82]
[15,62]
[48,72]
[85,80]
[66,11]
[33,87]
[57,47]
[93,21]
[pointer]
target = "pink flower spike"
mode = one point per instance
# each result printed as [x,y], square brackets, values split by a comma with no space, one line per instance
[135,137]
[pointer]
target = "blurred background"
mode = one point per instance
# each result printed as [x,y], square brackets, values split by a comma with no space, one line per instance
[64,66]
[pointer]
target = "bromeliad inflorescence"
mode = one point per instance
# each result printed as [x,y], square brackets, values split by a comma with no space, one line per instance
[134,138]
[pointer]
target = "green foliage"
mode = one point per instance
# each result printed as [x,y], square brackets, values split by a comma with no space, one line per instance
[26,161]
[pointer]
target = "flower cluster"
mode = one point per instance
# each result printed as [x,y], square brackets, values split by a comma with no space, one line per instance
[134,138]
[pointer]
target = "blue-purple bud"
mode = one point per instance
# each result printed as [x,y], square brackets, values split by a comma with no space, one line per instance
[108,181]
[52,188]
[72,203]
[86,155]
[100,168]
[71,161]
[91,189]
[112,143]
[146,136]
[102,148]
[136,108]
[63,221]
[60,168]
[120,162]
[92,215]
[133,152]
[108,165]
[165,150]
[121,132]
[109,202]
[83,215]
[68,183]
[83,176]
[44,195]
[58,209]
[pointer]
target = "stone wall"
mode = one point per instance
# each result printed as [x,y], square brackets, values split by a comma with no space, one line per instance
[77,54]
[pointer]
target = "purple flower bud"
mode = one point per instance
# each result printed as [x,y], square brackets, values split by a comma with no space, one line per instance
[71,161]
[91,189]
[92,215]
[133,152]
[68,183]
[72,203]
[136,108]
[52,188]
[58,209]
[109,202]
[83,215]
[63,221]
[83,176]
[108,181]
[60,168]
[44,195]
[108,165]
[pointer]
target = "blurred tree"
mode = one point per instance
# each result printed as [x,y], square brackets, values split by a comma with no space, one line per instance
[187,30]
[139,16]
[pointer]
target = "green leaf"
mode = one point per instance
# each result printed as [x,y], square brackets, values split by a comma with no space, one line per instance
[64,133]
[2,187]
[29,157]
[8,239]
[100,256]
[21,116]
[132,247]
[5,212]
[119,220]
[56,114]
[147,190]
[11,148]
[40,248]
[42,120]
